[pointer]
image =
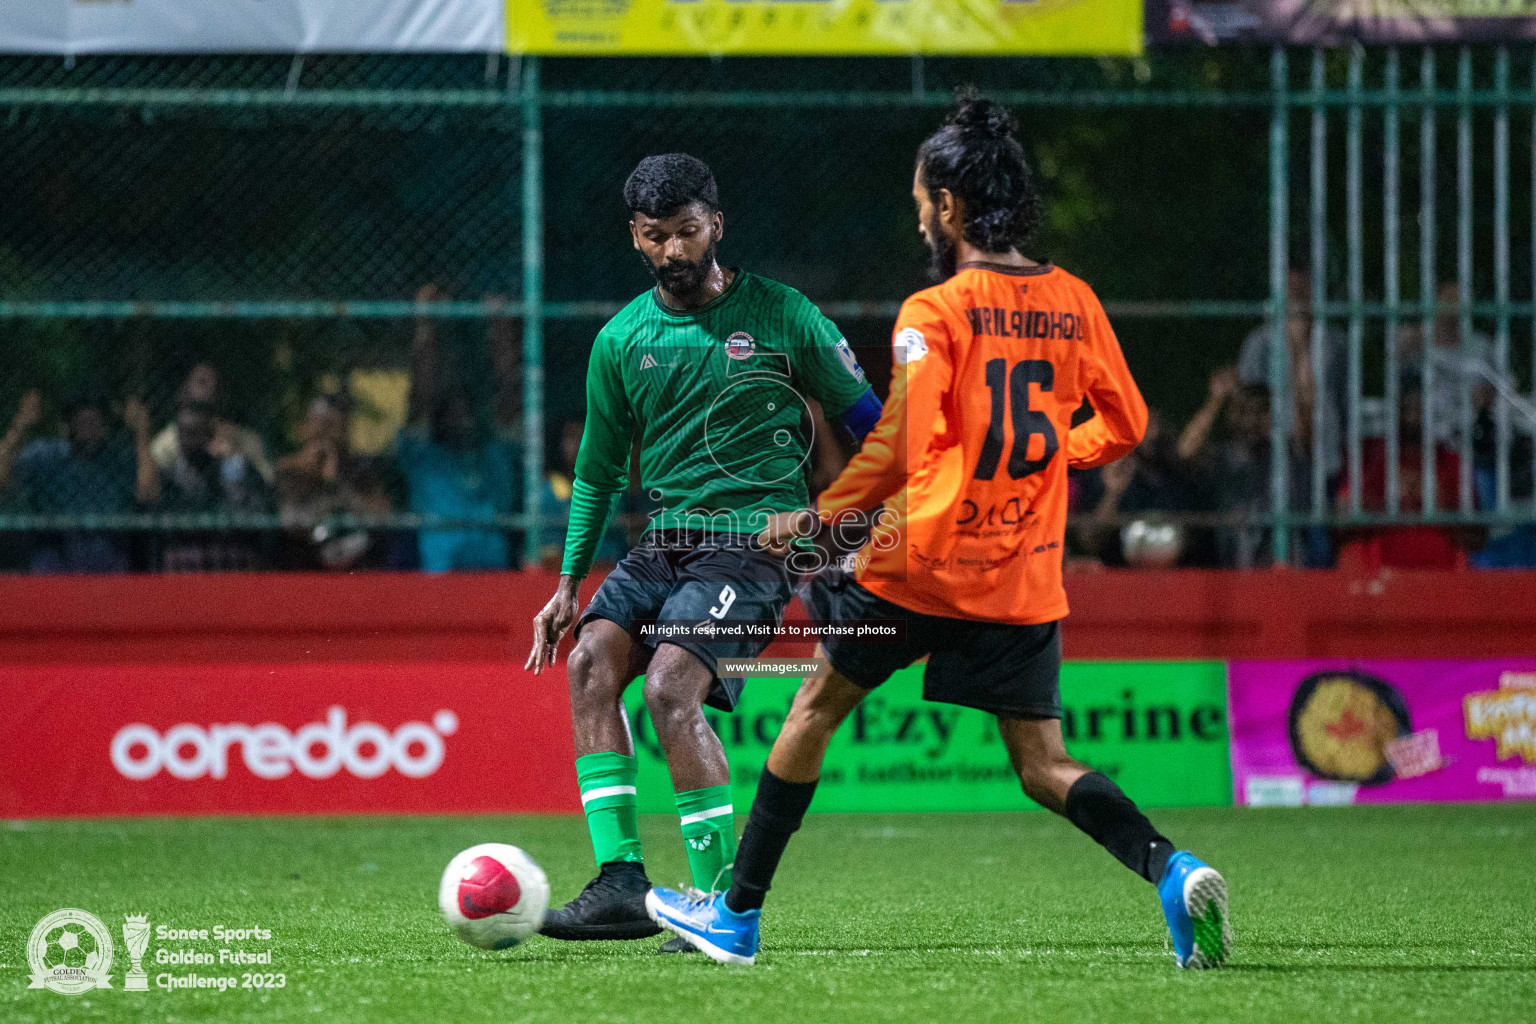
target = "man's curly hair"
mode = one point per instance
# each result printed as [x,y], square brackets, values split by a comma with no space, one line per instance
[659,186]
[978,158]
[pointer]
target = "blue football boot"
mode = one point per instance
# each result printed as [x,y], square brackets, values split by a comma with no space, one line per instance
[706,923]
[1195,902]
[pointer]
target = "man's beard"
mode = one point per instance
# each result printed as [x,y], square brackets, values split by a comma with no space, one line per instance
[682,278]
[943,257]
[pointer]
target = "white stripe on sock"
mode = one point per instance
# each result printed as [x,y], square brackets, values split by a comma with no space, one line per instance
[594,794]
[713,812]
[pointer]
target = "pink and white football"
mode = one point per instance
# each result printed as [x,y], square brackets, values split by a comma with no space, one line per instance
[493,896]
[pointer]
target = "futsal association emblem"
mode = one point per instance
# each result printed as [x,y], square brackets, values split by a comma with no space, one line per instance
[740,346]
[70,951]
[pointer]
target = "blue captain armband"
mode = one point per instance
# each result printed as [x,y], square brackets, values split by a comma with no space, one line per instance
[860,417]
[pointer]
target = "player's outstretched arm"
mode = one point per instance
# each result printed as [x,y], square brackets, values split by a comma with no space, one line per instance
[551,624]
[921,376]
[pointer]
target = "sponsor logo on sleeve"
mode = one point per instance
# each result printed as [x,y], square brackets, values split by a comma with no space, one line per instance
[910,346]
[849,361]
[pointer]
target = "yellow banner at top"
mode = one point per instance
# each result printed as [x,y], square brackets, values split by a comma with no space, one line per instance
[825,28]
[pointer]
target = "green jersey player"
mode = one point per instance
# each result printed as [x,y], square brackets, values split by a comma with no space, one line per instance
[709,372]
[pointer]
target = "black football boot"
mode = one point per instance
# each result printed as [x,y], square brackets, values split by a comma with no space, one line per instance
[612,906]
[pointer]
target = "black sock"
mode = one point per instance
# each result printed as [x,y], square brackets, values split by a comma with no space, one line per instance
[776,813]
[1098,807]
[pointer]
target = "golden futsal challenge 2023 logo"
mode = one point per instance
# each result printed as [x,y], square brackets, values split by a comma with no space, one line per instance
[70,952]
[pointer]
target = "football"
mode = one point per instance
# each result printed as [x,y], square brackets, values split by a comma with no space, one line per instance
[70,945]
[493,896]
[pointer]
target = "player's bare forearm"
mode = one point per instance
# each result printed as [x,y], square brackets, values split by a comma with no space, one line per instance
[551,624]
[146,487]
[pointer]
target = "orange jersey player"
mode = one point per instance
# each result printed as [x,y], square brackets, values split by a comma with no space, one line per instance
[968,467]
[970,456]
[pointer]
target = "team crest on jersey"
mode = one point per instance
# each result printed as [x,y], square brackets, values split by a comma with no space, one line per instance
[647,362]
[910,346]
[740,345]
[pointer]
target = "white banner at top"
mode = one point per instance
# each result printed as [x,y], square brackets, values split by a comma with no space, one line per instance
[251,26]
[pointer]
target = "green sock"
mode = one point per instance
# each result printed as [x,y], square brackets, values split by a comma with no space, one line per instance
[608,798]
[709,833]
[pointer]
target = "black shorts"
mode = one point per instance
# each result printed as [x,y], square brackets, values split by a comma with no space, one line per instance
[1008,670]
[686,577]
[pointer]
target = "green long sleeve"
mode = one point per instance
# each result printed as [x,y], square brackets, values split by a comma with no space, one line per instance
[602,466]
[590,509]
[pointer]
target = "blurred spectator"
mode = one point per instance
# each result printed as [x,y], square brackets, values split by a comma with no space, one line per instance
[455,465]
[85,471]
[1084,487]
[323,479]
[1509,547]
[1366,549]
[211,476]
[203,387]
[1149,487]
[556,502]
[1233,471]
[1453,370]
[1307,391]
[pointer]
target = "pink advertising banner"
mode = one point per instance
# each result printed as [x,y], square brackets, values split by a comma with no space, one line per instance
[1335,731]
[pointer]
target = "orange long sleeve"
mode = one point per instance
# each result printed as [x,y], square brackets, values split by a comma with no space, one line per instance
[1120,413]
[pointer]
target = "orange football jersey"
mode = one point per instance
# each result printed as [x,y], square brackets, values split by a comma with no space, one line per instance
[971,453]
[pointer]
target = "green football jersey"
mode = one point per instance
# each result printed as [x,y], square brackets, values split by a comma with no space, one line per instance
[716,397]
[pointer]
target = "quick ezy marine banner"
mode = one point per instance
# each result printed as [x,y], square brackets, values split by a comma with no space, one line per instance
[1159,729]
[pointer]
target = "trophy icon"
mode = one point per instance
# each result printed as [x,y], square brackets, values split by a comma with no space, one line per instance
[136,938]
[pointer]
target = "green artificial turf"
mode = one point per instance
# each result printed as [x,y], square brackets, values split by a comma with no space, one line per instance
[1385,914]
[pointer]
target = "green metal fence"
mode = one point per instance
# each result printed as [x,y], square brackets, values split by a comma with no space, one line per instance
[1483,376]
[278,217]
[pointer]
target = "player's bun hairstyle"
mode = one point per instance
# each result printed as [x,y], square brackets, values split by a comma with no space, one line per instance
[662,185]
[978,158]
